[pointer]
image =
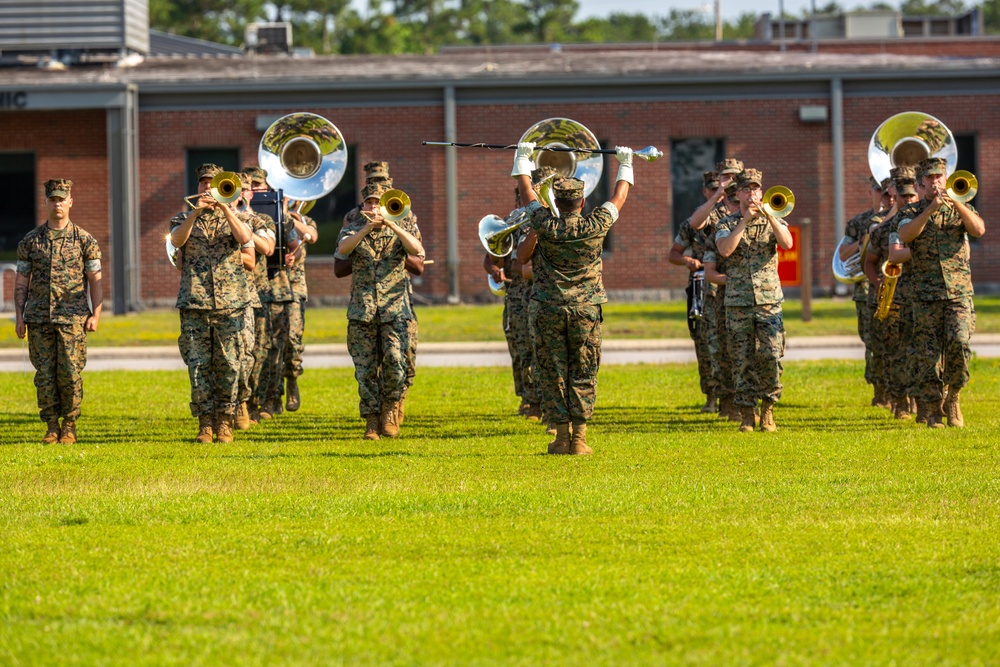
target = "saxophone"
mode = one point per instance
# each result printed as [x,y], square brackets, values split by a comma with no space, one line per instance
[887,288]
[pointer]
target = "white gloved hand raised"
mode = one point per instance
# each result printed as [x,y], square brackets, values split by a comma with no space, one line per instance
[523,166]
[624,155]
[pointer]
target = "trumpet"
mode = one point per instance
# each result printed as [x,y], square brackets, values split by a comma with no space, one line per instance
[224,188]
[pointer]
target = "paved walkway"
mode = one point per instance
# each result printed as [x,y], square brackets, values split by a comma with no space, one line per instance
[652,351]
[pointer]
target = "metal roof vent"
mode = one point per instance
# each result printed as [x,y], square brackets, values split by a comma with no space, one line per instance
[269,37]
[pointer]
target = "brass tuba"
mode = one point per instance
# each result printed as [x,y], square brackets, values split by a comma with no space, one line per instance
[907,138]
[305,156]
[887,288]
[581,162]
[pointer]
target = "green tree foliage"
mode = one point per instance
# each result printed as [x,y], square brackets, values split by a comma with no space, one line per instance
[932,7]
[424,26]
[991,16]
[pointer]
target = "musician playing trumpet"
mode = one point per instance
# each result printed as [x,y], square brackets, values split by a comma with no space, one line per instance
[750,240]
[936,230]
[379,311]
[212,299]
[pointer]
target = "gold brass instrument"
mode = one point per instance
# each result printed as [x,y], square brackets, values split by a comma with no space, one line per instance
[394,205]
[887,288]
[497,234]
[569,148]
[778,201]
[962,186]
[305,156]
[224,188]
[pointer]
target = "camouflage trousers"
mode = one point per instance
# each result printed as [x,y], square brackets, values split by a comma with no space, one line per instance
[568,356]
[58,352]
[864,315]
[941,331]
[413,332]
[876,352]
[261,349]
[272,378]
[296,332]
[211,346]
[247,339]
[718,344]
[379,353]
[699,332]
[518,334]
[757,344]
[885,336]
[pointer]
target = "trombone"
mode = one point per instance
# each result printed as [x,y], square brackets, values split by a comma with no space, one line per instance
[962,186]
[393,205]
[225,188]
[777,202]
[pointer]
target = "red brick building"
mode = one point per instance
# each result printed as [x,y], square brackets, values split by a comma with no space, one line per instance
[129,136]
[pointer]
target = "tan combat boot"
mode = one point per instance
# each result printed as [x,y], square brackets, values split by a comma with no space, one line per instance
[747,418]
[724,404]
[901,408]
[534,412]
[292,399]
[523,409]
[400,412]
[578,444]
[550,429]
[224,428]
[932,413]
[735,414]
[242,417]
[52,431]
[561,444]
[710,405]
[204,429]
[390,427]
[767,416]
[371,427]
[952,410]
[265,411]
[67,434]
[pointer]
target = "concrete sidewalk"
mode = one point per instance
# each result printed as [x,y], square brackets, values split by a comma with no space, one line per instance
[473,354]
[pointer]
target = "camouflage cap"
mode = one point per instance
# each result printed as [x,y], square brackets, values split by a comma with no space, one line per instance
[729,166]
[57,187]
[885,184]
[387,182]
[932,165]
[568,189]
[377,169]
[906,188]
[874,183]
[246,181]
[208,170]
[903,174]
[258,175]
[731,188]
[711,179]
[373,191]
[748,176]
[542,174]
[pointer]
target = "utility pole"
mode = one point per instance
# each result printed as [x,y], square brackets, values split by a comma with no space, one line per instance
[718,20]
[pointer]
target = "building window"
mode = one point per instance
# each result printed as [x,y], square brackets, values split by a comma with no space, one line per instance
[968,159]
[328,212]
[17,215]
[227,158]
[689,159]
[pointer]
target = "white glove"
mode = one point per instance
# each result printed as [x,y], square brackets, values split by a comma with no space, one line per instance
[624,155]
[523,166]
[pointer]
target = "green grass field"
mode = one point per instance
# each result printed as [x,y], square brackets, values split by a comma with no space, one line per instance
[845,538]
[482,323]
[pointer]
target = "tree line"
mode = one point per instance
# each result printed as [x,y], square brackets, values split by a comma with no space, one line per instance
[424,26]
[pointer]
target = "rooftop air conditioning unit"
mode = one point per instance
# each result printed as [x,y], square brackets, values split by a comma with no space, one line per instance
[269,37]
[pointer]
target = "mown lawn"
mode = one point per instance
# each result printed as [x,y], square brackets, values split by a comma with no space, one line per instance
[845,538]
[483,323]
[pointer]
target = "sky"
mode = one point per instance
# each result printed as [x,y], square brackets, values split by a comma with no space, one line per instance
[730,8]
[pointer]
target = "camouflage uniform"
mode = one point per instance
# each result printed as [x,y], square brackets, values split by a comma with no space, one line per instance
[279,301]
[515,325]
[695,243]
[567,293]
[297,312]
[886,335]
[942,318]
[855,232]
[56,263]
[261,345]
[213,297]
[753,311]
[410,224]
[715,311]
[378,316]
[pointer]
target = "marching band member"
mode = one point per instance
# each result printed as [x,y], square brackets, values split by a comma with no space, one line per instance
[306,233]
[688,251]
[214,292]
[750,240]
[567,294]
[854,234]
[379,312]
[936,230]
[56,263]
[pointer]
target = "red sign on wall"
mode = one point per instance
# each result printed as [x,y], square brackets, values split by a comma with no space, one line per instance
[790,261]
